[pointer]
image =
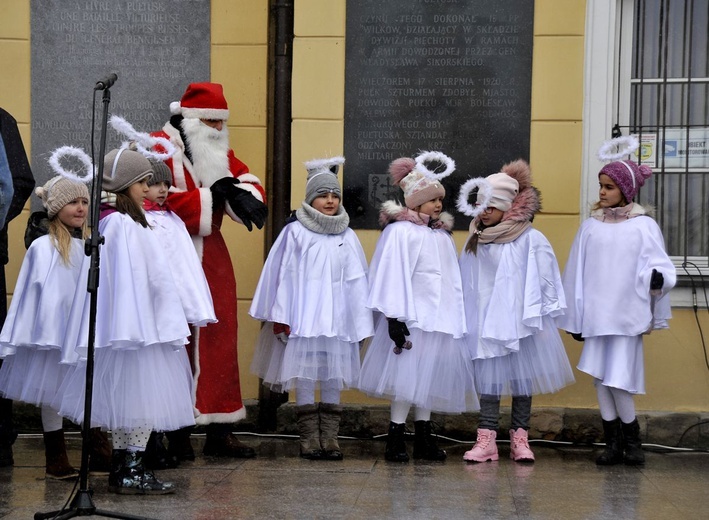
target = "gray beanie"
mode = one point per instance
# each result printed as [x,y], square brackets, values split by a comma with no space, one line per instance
[322,178]
[123,167]
[60,191]
[161,173]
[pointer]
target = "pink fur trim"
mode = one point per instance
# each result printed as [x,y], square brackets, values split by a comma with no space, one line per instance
[520,171]
[400,168]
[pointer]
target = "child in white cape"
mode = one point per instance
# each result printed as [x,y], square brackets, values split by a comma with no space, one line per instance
[312,295]
[52,281]
[513,292]
[617,281]
[417,356]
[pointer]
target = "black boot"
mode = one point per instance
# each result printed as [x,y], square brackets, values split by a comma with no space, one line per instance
[632,445]
[222,443]
[179,446]
[134,479]
[8,434]
[425,446]
[395,450]
[613,435]
[114,474]
[156,454]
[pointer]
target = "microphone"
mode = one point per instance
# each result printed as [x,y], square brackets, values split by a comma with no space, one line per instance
[106,82]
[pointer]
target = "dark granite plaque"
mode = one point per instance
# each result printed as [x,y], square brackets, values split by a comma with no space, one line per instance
[445,75]
[156,47]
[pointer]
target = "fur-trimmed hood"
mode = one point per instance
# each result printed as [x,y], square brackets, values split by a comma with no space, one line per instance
[394,212]
[528,200]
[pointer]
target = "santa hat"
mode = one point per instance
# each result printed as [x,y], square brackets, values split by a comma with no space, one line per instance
[60,191]
[418,182]
[202,101]
[322,178]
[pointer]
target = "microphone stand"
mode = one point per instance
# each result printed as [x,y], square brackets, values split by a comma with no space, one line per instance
[82,504]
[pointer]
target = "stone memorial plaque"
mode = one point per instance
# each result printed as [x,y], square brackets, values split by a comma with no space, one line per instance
[156,47]
[433,75]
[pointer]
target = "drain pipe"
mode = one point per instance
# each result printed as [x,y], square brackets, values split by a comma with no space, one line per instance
[278,183]
[282,13]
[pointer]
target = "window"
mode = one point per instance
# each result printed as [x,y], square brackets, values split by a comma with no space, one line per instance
[657,87]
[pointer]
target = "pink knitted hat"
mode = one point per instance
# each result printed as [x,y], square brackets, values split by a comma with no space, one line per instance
[504,191]
[418,188]
[629,176]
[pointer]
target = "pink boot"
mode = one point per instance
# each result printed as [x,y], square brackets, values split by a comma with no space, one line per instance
[485,447]
[519,446]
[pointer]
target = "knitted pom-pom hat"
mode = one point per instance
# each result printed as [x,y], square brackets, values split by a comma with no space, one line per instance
[629,176]
[161,173]
[417,187]
[60,191]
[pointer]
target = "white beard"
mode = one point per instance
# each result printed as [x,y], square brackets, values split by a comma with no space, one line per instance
[209,148]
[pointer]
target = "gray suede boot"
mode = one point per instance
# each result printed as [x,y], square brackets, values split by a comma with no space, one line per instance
[309,430]
[330,415]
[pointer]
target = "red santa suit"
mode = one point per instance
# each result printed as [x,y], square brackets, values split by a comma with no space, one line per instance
[213,348]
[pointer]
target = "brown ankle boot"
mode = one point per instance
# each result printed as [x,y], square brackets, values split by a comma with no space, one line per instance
[57,462]
[99,452]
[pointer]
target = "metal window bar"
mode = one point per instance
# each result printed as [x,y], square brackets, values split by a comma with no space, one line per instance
[664,100]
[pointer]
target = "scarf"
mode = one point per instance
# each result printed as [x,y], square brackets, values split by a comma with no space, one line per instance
[393,212]
[618,214]
[502,233]
[320,223]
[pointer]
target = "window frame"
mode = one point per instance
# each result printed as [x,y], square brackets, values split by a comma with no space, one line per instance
[603,84]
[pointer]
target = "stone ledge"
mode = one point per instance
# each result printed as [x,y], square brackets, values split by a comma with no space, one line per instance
[579,426]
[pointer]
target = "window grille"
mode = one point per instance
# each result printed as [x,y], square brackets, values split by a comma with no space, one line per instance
[662,97]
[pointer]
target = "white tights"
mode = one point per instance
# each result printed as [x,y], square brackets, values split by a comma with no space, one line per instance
[51,420]
[614,403]
[305,392]
[400,410]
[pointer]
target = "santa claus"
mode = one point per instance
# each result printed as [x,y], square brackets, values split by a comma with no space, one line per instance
[209,181]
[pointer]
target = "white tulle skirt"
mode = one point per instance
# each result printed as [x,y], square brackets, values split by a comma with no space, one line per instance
[32,376]
[147,386]
[541,366]
[618,361]
[314,359]
[435,374]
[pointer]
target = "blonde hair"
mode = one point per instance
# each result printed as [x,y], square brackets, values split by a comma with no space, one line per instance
[61,236]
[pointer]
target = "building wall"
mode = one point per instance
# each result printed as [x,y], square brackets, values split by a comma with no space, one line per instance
[677,378]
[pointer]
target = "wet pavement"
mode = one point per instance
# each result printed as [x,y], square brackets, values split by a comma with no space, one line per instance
[564,483]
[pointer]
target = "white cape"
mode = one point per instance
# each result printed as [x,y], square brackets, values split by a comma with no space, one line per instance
[607,279]
[185,265]
[316,284]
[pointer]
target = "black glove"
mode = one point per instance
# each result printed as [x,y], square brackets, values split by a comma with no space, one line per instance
[248,208]
[398,332]
[242,203]
[577,336]
[656,280]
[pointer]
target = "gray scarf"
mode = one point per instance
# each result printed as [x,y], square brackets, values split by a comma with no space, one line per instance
[321,223]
